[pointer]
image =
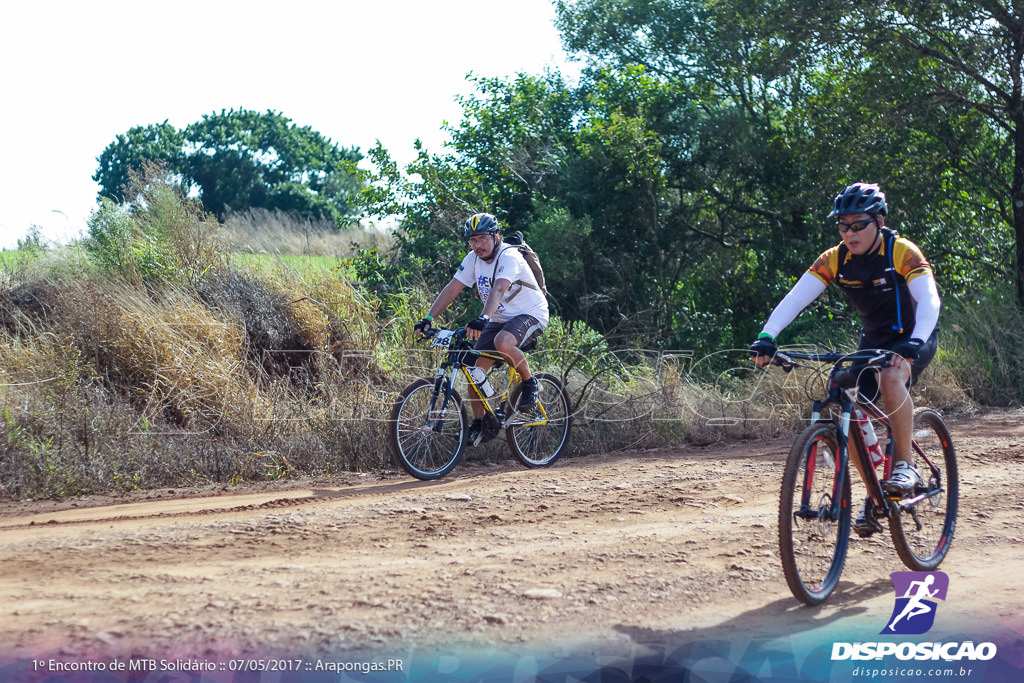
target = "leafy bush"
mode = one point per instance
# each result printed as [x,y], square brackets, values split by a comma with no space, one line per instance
[112,240]
[162,236]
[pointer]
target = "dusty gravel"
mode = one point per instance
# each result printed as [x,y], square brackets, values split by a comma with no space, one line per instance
[624,548]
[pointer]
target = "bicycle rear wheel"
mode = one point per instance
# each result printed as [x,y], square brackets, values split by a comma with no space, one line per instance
[813,541]
[923,532]
[538,439]
[427,439]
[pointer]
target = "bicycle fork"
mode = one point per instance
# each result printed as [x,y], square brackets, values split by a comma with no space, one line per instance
[441,384]
[808,509]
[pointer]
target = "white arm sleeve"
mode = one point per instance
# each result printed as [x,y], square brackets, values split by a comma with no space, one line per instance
[805,291]
[926,294]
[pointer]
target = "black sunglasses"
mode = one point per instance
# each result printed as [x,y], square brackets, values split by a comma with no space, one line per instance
[856,226]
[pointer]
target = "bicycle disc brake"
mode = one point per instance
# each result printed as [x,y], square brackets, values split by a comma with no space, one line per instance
[825,516]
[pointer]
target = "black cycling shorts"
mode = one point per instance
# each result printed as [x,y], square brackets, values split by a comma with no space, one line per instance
[867,382]
[525,328]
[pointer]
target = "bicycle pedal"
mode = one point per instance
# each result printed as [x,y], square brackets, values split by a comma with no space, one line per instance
[867,528]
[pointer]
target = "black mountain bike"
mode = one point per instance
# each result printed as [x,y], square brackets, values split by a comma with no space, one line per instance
[429,425]
[814,509]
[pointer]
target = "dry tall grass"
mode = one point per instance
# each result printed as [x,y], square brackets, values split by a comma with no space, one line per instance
[143,378]
[980,349]
[259,231]
[110,386]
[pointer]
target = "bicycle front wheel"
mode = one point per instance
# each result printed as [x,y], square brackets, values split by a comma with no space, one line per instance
[923,531]
[427,437]
[539,438]
[813,532]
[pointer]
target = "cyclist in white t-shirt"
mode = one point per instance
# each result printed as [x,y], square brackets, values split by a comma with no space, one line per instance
[512,318]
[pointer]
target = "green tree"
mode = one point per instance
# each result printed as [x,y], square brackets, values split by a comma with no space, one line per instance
[925,97]
[684,184]
[713,85]
[504,158]
[789,101]
[238,160]
[971,59]
[161,144]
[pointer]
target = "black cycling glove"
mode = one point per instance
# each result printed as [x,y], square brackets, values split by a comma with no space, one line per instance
[764,346]
[909,349]
[478,324]
[423,326]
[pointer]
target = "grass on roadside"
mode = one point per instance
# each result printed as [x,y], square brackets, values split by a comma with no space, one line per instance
[153,358]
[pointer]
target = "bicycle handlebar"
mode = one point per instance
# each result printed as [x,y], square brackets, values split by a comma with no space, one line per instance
[458,336]
[846,367]
[861,359]
[433,332]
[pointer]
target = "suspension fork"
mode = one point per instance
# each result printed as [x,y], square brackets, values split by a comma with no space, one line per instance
[843,436]
[442,384]
[807,510]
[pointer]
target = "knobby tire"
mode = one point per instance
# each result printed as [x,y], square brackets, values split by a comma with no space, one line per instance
[923,549]
[538,440]
[812,545]
[423,452]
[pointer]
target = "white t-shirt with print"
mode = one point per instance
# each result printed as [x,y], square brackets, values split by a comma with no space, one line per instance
[512,266]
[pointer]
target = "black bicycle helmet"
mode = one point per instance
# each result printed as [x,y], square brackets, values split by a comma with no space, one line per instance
[860,198]
[480,224]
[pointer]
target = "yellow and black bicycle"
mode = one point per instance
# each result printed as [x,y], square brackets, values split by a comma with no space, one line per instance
[429,425]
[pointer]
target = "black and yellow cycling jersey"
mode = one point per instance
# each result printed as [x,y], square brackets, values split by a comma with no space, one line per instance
[876,284]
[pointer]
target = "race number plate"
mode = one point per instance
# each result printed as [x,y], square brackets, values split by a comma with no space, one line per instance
[443,339]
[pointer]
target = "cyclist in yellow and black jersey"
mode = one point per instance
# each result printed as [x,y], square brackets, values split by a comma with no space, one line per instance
[890,283]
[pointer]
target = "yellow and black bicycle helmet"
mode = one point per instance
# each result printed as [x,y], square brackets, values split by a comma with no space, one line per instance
[480,224]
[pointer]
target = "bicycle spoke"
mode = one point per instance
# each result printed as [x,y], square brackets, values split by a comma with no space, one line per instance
[539,438]
[922,531]
[812,537]
[427,442]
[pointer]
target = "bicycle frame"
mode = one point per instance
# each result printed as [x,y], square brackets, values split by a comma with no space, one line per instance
[816,495]
[853,409]
[458,347]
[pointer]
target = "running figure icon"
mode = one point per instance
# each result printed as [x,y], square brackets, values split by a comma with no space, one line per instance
[915,606]
[916,595]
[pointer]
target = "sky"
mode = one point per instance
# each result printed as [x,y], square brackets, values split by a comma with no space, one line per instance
[74,75]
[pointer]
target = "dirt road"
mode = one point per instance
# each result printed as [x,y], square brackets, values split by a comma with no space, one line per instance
[620,549]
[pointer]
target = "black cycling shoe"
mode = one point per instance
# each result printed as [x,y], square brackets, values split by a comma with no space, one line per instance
[865,524]
[491,428]
[482,430]
[528,398]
